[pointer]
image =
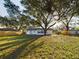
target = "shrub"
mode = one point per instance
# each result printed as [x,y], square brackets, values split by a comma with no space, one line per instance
[76,28]
[65,32]
[10,33]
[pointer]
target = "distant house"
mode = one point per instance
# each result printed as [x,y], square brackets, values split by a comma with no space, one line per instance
[74,22]
[37,31]
[74,32]
[8,29]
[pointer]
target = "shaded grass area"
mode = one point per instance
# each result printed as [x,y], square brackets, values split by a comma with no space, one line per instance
[39,47]
[12,46]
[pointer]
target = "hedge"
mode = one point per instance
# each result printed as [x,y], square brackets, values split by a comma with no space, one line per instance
[10,33]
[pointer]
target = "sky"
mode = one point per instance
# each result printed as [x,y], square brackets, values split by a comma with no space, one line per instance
[3,11]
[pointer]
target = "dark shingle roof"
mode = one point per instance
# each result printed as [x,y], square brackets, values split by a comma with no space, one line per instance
[7,29]
[37,28]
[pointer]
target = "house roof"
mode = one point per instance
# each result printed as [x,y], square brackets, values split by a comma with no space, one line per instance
[7,29]
[37,28]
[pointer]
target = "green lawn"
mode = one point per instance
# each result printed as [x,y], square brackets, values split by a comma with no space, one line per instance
[36,47]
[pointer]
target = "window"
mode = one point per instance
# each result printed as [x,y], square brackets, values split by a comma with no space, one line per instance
[40,31]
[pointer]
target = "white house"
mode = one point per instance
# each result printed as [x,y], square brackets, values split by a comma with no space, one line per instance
[74,22]
[37,31]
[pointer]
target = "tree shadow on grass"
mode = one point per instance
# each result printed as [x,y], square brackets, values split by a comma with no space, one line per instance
[18,38]
[74,35]
[9,45]
[7,38]
[30,51]
[19,50]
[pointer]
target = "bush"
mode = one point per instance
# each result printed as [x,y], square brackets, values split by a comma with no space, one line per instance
[76,28]
[65,32]
[10,33]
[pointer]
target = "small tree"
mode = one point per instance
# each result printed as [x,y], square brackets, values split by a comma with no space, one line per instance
[4,21]
[14,12]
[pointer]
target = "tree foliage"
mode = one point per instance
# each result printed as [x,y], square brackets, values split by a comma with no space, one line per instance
[67,9]
[43,11]
[14,12]
[12,9]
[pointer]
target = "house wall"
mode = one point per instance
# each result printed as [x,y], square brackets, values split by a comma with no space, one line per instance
[49,32]
[34,32]
[37,32]
[74,32]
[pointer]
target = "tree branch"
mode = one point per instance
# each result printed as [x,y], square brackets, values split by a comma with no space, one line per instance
[51,25]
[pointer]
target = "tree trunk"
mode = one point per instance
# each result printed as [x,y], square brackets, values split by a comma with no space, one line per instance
[67,28]
[45,31]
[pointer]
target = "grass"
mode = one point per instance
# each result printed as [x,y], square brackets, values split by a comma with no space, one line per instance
[36,47]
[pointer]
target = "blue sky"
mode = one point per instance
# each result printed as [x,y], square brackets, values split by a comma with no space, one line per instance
[3,11]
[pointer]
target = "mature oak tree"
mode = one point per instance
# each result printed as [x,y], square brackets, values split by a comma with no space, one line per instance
[67,9]
[43,11]
[47,12]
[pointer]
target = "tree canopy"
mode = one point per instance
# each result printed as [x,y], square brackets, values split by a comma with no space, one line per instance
[46,12]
